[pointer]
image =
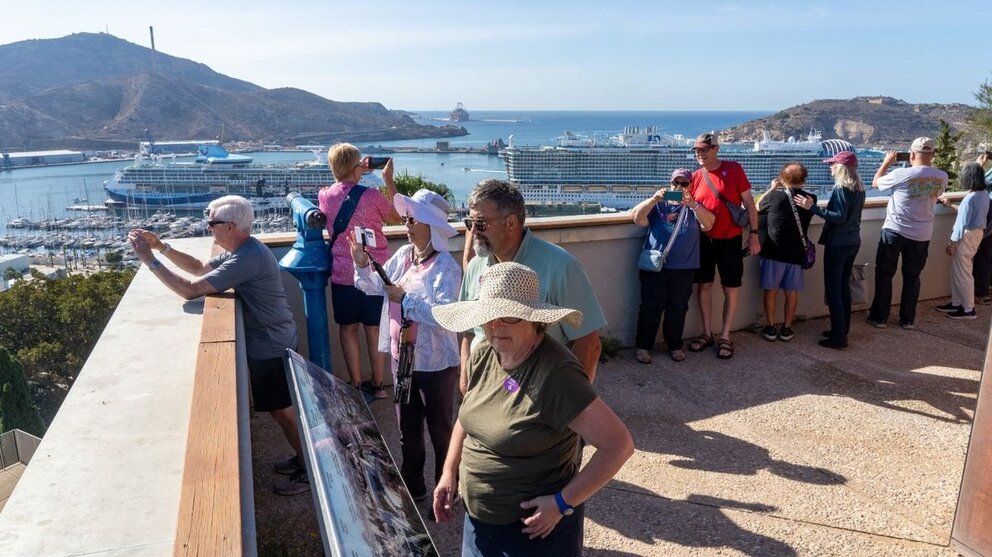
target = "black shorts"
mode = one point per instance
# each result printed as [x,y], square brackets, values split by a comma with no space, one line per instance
[269,386]
[725,255]
[351,305]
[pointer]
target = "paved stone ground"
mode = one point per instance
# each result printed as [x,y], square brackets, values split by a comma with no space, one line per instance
[787,449]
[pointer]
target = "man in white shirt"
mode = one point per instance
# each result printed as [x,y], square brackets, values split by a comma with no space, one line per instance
[907,229]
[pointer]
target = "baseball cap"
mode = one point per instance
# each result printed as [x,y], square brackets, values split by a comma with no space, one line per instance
[680,173]
[923,145]
[706,140]
[847,158]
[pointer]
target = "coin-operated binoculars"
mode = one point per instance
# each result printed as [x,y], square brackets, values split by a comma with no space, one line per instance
[310,263]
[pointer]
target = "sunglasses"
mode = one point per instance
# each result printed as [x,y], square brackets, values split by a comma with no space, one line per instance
[213,223]
[407,220]
[680,183]
[477,225]
[701,149]
[510,320]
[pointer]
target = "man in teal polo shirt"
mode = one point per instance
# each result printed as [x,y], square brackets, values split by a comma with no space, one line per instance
[496,218]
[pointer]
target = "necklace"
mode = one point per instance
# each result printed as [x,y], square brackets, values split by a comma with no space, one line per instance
[420,257]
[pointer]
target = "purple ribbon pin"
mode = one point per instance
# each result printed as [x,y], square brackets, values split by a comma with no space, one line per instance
[511,385]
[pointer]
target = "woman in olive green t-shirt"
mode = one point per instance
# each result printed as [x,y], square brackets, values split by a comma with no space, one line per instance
[515,450]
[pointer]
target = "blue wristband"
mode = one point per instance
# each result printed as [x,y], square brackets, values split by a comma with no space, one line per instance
[564,508]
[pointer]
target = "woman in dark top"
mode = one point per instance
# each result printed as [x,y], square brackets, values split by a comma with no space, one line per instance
[782,229]
[841,239]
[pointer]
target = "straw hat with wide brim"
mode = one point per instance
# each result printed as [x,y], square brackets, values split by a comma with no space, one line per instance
[508,290]
[431,209]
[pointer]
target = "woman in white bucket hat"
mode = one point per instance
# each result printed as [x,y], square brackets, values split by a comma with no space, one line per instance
[515,451]
[423,274]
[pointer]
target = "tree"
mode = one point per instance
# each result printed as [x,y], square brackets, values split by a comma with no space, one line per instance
[11,273]
[946,153]
[17,409]
[51,325]
[981,118]
[408,184]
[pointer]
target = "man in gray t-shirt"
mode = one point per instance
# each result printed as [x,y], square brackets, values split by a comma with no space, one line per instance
[248,267]
[906,232]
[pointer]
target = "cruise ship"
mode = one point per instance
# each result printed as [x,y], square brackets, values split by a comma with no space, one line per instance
[627,168]
[163,181]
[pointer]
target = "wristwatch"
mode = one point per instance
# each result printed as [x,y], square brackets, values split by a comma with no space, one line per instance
[564,508]
[753,231]
[155,264]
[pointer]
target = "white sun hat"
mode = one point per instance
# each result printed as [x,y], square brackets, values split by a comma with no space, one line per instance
[429,208]
[508,290]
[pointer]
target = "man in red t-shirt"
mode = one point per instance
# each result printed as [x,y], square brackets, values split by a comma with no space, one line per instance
[720,247]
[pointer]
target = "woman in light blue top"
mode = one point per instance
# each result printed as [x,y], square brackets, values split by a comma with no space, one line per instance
[967,234]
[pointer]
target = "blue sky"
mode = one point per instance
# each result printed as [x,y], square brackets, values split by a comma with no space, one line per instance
[578,55]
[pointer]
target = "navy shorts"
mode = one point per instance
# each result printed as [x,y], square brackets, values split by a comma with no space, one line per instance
[269,387]
[723,254]
[351,306]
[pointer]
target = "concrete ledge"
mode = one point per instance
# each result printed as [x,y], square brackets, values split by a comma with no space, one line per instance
[107,477]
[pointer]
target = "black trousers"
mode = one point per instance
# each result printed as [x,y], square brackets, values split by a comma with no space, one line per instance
[892,245]
[837,264]
[667,291]
[982,269]
[432,395]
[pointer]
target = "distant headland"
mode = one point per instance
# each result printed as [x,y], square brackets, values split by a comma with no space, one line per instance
[882,122]
[96,91]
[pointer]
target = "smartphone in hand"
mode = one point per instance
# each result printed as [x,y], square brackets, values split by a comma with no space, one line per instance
[672,196]
[376,163]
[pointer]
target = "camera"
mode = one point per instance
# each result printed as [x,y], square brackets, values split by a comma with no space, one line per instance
[365,236]
[377,163]
[902,156]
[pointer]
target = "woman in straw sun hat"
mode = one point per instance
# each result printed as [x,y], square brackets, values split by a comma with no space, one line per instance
[424,275]
[514,453]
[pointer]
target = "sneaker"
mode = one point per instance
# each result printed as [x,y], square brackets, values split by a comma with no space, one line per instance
[832,343]
[786,334]
[877,324]
[907,325]
[288,466]
[770,333]
[949,308]
[984,300]
[297,482]
[962,314]
[827,333]
[378,391]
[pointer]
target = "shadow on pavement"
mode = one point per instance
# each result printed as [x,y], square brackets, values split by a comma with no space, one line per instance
[698,521]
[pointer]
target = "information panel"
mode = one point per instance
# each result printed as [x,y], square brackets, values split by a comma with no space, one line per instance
[362,503]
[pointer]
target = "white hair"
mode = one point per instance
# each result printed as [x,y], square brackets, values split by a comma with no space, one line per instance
[233,209]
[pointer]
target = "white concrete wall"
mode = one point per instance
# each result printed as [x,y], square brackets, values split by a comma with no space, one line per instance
[609,253]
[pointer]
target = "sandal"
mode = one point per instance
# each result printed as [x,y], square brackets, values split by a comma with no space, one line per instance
[700,343]
[725,349]
[643,356]
[678,355]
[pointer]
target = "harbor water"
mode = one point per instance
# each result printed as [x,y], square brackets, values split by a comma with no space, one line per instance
[45,193]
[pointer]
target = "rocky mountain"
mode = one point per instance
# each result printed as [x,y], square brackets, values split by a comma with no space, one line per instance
[92,90]
[883,122]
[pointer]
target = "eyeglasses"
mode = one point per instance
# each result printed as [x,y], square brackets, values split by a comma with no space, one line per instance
[680,183]
[213,223]
[407,220]
[478,225]
[701,149]
[510,320]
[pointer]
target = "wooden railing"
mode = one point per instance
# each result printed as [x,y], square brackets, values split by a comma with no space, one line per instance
[210,521]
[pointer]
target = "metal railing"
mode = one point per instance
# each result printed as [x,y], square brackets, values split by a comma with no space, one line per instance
[17,447]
